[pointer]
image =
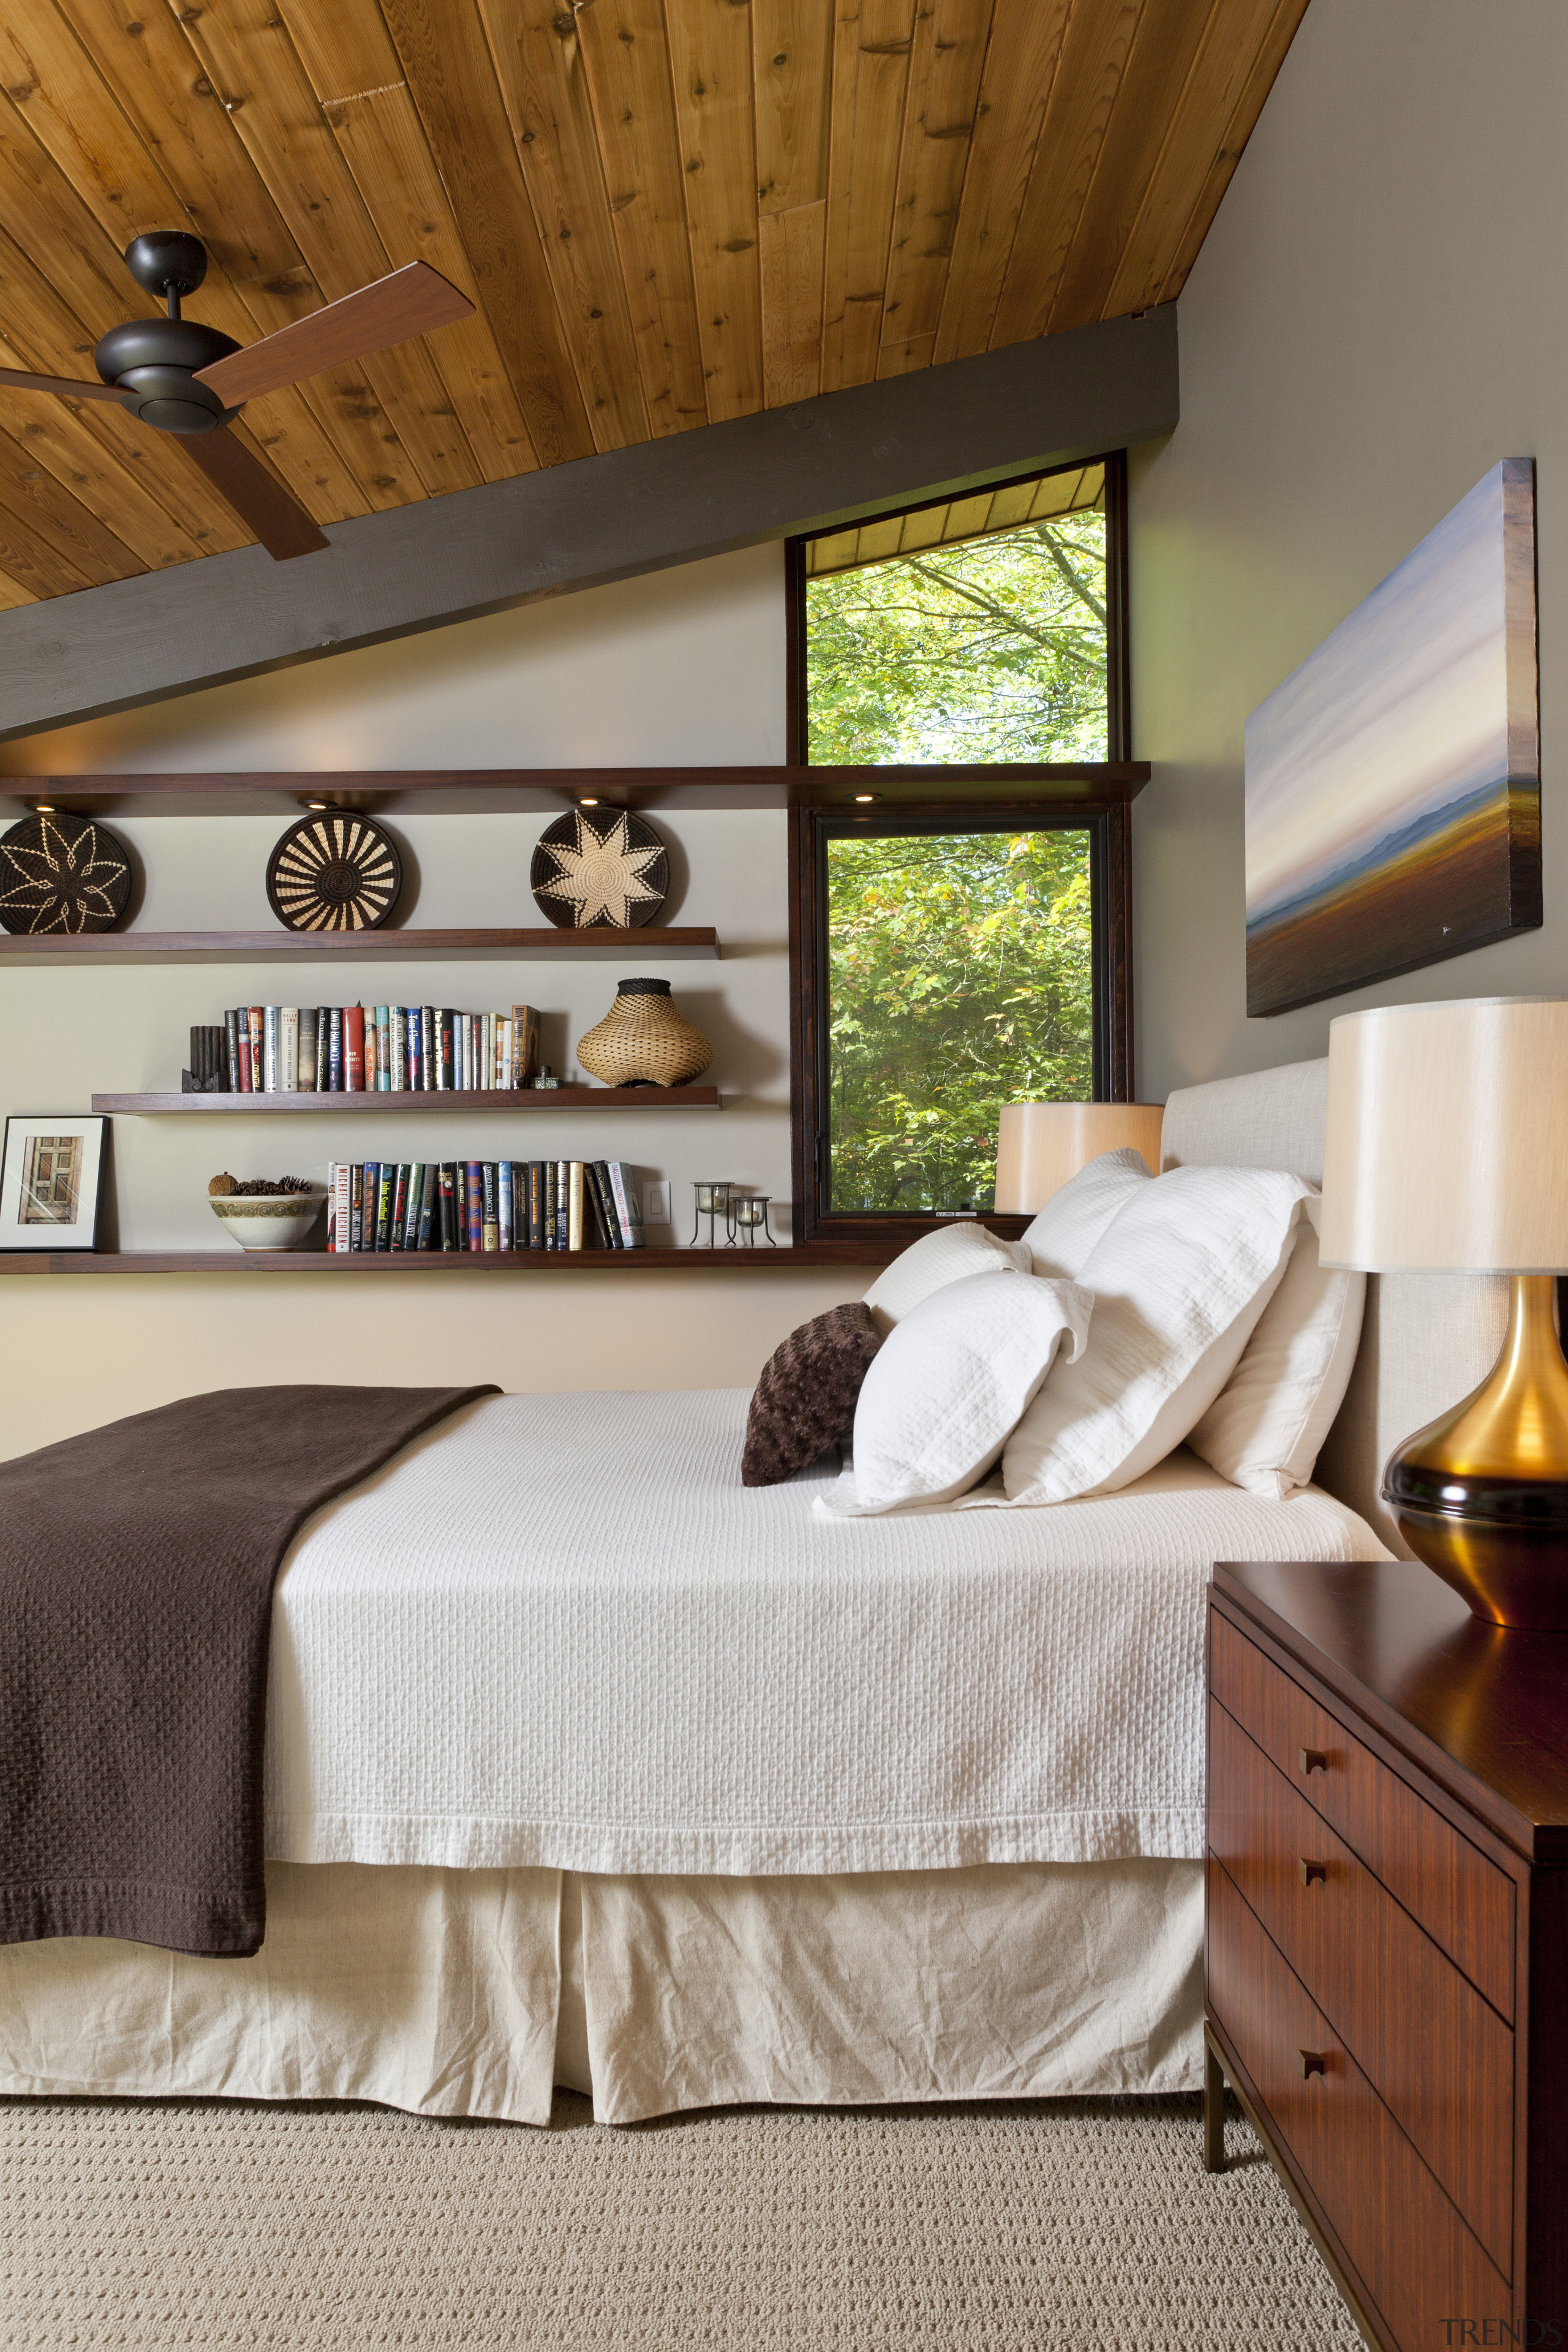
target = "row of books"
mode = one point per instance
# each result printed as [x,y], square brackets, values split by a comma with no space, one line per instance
[333,1049]
[482,1205]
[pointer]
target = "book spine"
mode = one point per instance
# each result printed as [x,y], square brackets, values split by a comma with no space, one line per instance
[376,1027]
[444,1049]
[334,1049]
[408,1220]
[429,1231]
[530,1221]
[356,1206]
[270,1048]
[305,1071]
[231,1047]
[506,1182]
[384,1188]
[628,1211]
[342,1224]
[323,1049]
[473,1221]
[490,1205]
[354,1049]
[399,1206]
[331,1204]
[414,1077]
[488,1050]
[396,1049]
[246,1077]
[447,1228]
[606,1203]
[575,1204]
[524,1044]
[562,1202]
[288,1049]
[256,1015]
[427,1048]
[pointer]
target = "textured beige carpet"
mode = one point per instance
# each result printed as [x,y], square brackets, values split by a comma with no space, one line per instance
[979,2228]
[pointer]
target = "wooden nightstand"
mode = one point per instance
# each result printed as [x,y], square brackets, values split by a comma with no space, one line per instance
[1386,1962]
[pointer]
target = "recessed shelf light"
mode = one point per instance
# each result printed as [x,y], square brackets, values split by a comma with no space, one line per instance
[587,800]
[316,806]
[868,796]
[43,808]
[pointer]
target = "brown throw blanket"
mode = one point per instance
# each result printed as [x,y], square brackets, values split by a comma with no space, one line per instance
[137,1564]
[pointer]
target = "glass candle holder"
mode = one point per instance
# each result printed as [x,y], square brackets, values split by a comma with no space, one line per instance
[747,1211]
[712,1202]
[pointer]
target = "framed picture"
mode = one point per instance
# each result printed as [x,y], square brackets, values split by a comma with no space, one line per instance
[1394,781]
[51,1182]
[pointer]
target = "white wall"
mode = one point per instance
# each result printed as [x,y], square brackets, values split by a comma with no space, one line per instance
[1375,319]
[687,666]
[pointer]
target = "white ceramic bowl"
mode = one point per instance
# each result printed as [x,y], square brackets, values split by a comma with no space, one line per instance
[267,1221]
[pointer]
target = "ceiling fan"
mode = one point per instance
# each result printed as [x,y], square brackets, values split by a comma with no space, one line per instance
[183,378]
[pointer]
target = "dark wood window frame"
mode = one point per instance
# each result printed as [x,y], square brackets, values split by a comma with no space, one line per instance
[1090,798]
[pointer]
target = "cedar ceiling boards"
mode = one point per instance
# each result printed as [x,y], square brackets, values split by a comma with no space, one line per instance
[671,214]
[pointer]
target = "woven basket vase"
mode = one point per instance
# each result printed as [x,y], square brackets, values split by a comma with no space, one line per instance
[643,1041]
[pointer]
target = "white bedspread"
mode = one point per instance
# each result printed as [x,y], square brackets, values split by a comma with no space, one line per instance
[559,1632]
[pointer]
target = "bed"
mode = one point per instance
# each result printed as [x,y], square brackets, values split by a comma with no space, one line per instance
[586,1765]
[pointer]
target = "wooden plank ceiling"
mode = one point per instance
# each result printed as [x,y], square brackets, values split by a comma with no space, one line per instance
[669,213]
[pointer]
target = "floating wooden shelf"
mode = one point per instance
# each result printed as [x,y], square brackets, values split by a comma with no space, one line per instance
[462,1098]
[467,791]
[463,1261]
[330,947]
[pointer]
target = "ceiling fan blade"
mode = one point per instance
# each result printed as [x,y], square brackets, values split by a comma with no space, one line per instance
[410,303]
[69,385]
[255,493]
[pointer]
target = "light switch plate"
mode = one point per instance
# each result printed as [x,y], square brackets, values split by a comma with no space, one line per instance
[656,1204]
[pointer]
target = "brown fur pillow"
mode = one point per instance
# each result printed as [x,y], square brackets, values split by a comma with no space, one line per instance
[805,1400]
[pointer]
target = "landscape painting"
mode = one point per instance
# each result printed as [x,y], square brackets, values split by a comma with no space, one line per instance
[1393,781]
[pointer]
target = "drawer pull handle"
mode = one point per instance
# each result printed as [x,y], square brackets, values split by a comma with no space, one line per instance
[1311,1761]
[1313,2062]
[1314,1874]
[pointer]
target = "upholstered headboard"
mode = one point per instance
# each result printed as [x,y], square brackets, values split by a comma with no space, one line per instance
[1427,1340]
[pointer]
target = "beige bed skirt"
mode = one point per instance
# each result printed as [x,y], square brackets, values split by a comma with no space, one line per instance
[472,1992]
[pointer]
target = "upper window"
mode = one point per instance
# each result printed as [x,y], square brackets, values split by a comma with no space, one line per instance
[976,631]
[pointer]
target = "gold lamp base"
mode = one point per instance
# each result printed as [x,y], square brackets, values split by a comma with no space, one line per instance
[1481,1496]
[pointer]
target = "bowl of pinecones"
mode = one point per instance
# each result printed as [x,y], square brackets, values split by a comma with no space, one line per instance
[264,1213]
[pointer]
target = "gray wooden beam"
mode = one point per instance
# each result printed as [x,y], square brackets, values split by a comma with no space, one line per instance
[840,458]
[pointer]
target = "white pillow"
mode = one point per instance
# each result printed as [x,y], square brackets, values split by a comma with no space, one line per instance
[1180,1278]
[936,1259]
[1263,1429]
[949,1382]
[1074,1218]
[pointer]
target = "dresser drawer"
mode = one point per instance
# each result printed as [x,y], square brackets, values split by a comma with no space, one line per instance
[1441,2059]
[1464,1901]
[1415,2255]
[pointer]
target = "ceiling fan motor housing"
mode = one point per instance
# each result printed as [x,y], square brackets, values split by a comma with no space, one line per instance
[156,360]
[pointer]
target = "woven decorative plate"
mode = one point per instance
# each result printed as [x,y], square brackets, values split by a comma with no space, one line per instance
[610,872]
[335,872]
[61,873]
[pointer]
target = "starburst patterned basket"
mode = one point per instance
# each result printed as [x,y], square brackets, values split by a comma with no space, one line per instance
[61,873]
[598,873]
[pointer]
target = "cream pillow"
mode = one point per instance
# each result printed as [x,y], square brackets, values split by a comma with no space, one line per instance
[1074,1218]
[1180,1278]
[1263,1429]
[947,1385]
[936,1259]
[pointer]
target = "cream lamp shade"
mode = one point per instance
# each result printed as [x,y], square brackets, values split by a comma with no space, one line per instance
[1447,1137]
[1040,1144]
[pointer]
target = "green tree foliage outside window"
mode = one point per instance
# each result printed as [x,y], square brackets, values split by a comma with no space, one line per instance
[960,965]
[959,979]
[992,649]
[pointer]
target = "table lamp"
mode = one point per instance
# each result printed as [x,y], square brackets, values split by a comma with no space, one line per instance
[1447,1151]
[1040,1144]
